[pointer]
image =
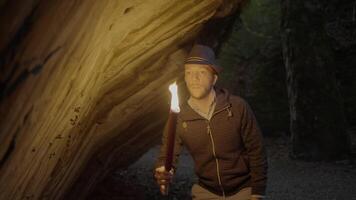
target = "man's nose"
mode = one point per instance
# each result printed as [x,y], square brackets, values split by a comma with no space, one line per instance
[196,76]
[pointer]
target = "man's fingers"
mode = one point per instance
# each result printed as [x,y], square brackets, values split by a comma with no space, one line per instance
[163,169]
[166,177]
[163,189]
[164,181]
[163,175]
[163,178]
[161,182]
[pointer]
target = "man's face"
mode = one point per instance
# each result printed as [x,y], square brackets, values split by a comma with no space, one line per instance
[199,80]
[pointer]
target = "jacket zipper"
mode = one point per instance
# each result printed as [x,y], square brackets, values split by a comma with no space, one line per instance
[214,152]
[216,159]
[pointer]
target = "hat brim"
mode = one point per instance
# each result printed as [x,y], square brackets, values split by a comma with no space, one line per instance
[216,68]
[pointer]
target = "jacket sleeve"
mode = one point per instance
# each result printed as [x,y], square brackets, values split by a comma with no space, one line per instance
[253,141]
[163,148]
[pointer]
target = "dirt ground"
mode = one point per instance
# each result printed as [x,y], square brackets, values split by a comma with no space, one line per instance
[287,179]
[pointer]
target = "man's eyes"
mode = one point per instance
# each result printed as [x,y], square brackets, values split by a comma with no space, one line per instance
[199,72]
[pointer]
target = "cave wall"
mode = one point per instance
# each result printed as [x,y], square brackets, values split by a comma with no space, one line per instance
[253,64]
[318,120]
[83,86]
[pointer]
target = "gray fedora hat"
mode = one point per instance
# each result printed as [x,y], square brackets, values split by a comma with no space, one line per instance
[203,55]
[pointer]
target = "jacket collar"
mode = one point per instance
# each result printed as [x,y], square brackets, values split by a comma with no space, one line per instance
[222,101]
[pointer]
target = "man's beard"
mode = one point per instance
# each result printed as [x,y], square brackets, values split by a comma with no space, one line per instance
[199,92]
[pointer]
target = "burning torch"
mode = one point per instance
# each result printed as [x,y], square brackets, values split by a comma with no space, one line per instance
[171,127]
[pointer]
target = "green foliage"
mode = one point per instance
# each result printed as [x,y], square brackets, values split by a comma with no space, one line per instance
[254,68]
[253,65]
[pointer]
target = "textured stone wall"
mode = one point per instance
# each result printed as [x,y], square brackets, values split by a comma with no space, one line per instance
[84,86]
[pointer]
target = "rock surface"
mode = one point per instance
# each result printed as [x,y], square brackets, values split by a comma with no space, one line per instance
[83,87]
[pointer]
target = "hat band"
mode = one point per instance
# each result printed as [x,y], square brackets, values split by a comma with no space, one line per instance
[197,59]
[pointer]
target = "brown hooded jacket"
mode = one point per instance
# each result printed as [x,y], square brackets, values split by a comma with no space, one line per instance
[227,150]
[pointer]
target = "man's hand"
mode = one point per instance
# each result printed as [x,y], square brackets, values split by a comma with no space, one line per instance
[256,198]
[163,179]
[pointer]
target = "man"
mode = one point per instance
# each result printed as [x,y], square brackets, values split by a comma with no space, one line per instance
[221,134]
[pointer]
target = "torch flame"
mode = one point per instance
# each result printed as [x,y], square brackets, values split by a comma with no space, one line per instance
[173,88]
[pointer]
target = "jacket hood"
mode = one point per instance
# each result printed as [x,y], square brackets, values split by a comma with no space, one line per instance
[222,101]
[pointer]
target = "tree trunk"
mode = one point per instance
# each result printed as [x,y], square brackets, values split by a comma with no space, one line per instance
[318,125]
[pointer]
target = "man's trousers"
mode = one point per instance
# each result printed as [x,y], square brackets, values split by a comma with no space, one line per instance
[200,193]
